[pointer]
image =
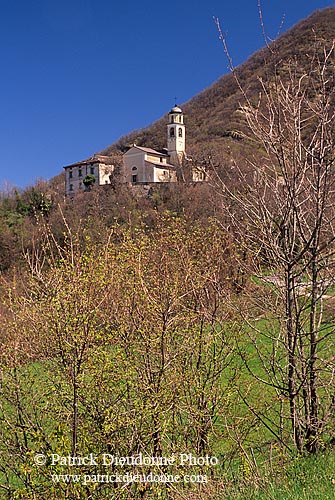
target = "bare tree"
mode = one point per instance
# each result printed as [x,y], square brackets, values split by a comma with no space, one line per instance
[284,221]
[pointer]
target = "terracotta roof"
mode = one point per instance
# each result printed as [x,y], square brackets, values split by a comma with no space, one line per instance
[107,160]
[149,150]
[166,166]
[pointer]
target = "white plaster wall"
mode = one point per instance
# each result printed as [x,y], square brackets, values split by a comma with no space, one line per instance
[176,143]
[164,175]
[104,172]
[134,158]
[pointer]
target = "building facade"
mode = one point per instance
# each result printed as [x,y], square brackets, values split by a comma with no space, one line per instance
[81,175]
[148,166]
[176,136]
[140,165]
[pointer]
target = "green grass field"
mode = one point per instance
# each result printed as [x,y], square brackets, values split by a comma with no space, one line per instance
[305,478]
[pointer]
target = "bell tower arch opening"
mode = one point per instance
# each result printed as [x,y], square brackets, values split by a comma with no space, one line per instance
[176,135]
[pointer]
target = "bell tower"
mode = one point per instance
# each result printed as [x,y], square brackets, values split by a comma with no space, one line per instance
[176,136]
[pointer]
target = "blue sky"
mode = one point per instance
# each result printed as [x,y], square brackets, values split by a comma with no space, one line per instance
[78,74]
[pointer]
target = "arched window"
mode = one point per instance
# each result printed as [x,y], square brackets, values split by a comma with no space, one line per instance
[180,132]
[134,175]
[171,132]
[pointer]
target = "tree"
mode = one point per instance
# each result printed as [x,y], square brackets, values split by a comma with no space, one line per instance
[88,181]
[171,327]
[54,344]
[284,220]
[120,347]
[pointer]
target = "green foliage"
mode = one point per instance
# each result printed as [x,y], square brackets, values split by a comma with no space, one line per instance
[89,180]
[123,334]
[130,348]
[309,478]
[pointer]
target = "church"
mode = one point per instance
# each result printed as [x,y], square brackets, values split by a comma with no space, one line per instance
[140,165]
[146,166]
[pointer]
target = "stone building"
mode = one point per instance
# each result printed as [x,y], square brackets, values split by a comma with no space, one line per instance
[81,175]
[140,165]
[148,166]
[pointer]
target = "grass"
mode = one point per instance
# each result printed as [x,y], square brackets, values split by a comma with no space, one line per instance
[253,476]
[305,478]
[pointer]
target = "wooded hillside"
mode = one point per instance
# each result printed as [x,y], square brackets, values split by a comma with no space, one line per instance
[195,325]
[214,124]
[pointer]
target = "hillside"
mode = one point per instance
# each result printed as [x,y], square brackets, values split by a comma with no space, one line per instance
[214,125]
[182,345]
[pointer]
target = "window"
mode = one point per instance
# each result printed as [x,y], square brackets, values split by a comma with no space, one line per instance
[171,132]
[161,159]
[134,175]
[70,174]
[71,187]
[80,173]
[92,170]
[180,132]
